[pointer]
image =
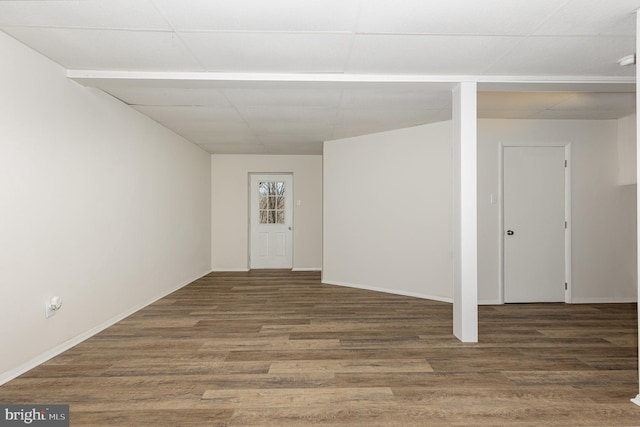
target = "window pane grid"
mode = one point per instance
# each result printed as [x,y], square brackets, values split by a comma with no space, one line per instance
[272,202]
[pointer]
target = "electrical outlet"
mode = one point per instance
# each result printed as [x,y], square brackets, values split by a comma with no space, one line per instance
[48,310]
[51,306]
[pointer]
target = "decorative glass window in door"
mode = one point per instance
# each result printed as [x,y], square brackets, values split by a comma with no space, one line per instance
[272,202]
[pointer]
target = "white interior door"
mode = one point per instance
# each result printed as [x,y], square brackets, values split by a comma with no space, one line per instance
[534,224]
[271,221]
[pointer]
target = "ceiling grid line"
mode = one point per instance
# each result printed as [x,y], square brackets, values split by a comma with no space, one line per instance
[173,30]
[506,53]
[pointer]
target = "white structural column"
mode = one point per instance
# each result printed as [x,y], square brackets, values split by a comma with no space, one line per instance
[636,400]
[465,212]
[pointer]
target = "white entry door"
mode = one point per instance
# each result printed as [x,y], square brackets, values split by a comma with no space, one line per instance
[271,221]
[534,224]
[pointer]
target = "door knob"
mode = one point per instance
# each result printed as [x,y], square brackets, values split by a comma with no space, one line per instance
[510,233]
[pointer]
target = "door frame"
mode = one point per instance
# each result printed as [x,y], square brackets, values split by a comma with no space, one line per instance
[293,228]
[567,211]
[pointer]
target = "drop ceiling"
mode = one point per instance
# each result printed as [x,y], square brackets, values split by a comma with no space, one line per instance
[281,77]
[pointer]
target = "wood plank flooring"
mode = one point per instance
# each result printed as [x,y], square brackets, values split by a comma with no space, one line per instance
[277,348]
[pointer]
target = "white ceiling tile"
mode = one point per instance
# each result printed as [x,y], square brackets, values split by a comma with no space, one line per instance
[185,114]
[259,15]
[280,138]
[289,114]
[593,17]
[427,54]
[215,132]
[220,137]
[567,56]
[223,148]
[454,17]
[621,102]
[507,114]
[131,14]
[305,148]
[304,131]
[211,127]
[352,129]
[270,52]
[576,115]
[214,138]
[284,97]
[413,96]
[109,50]
[169,96]
[520,101]
[564,105]
[393,116]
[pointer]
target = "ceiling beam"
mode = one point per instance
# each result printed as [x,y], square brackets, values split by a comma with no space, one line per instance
[493,83]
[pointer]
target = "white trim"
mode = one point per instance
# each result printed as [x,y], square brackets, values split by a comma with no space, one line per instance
[252,213]
[465,210]
[637,76]
[490,302]
[501,222]
[604,300]
[231,270]
[88,75]
[55,351]
[389,291]
[567,232]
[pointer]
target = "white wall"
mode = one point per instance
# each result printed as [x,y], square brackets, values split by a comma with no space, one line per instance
[627,150]
[603,213]
[98,204]
[387,209]
[388,212]
[229,218]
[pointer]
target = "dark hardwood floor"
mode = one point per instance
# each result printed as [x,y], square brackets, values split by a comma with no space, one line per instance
[276,348]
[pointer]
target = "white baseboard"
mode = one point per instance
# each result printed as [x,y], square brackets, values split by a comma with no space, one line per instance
[607,300]
[489,302]
[636,400]
[43,357]
[389,291]
[574,301]
[244,270]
